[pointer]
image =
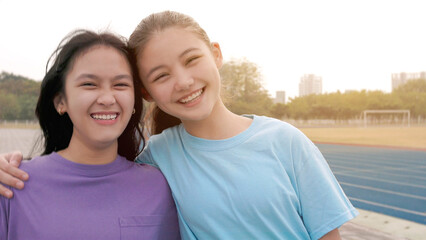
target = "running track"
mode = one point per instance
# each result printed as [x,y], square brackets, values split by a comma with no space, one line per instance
[383,180]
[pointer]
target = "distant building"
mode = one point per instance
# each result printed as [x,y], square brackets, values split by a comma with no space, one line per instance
[402,78]
[279,97]
[310,84]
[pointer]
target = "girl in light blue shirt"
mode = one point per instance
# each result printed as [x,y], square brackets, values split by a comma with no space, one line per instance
[232,177]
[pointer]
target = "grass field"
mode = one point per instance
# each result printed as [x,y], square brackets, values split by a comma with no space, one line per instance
[414,137]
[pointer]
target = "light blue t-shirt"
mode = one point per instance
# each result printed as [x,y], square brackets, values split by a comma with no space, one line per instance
[268,182]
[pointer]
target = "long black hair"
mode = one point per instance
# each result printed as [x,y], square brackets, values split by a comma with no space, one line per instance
[57,129]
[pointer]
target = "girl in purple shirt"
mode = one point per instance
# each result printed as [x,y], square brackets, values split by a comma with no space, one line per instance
[86,185]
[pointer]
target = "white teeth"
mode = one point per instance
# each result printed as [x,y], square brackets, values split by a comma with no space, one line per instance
[191,97]
[104,116]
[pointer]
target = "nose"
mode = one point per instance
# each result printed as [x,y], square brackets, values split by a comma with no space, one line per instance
[106,98]
[183,82]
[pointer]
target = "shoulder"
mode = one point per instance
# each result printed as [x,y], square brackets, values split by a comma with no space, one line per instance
[160,147]
[149,175]
[147,169]
[168,135]
[143,168]
[277,128]
[165,140]
[282,136]
[269,122]
[36,163]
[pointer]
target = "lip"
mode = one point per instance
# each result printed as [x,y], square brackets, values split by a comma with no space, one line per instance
[191,97]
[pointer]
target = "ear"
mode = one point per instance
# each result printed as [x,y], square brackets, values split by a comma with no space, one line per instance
[146,95]
[217,54]
[59,102]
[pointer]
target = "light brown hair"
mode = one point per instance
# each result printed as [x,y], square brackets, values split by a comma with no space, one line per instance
[155,23]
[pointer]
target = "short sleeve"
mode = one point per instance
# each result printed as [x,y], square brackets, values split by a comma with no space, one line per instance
[324,205]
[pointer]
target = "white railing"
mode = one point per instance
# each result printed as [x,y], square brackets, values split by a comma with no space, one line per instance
[19,123]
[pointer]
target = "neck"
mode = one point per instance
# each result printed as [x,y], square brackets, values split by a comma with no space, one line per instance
[83,153]
[220,124]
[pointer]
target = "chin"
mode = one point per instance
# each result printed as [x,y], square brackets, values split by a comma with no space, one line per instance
[107,139]
[196,117]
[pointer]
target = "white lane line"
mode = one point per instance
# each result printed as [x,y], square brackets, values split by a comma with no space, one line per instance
[375,171]
[359,162]
[388,206]
[400,161]
[386,181]
[384,191]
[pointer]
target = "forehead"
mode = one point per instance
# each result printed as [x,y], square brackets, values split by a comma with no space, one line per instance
[173,39]
[100,57]
[99,51]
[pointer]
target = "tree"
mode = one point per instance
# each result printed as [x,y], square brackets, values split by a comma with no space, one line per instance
[9,106]
[279,110]
[242,88]
[300,107]
[418,85]
[18,96]
[412,96]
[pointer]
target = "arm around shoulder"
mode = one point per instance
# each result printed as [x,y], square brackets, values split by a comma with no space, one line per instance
[10,174]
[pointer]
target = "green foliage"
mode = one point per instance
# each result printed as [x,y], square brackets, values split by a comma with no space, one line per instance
[278,110]
[413,86]
[413,96]
[242,88]
[9,106]
[18,97]
[349,105]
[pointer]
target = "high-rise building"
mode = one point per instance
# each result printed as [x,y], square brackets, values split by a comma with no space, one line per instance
[279,97]
[402,78]
[310,84]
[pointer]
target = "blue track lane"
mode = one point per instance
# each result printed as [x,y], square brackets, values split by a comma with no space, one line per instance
[383,180]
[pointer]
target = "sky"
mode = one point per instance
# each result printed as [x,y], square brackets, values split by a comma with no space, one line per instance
[352,45]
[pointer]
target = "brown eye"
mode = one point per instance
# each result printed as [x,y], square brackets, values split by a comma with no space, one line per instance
[88,84]
[122,85]
[159,77]
[191,59]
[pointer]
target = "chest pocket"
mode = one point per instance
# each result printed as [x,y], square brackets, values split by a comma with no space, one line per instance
[148,227]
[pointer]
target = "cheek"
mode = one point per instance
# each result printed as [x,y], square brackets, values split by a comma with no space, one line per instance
[78,101]
[127,99]
[161,92]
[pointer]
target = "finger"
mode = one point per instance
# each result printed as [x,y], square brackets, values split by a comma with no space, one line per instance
[15,158]
[5,192]
[7,168]
[7,179]
[11,175]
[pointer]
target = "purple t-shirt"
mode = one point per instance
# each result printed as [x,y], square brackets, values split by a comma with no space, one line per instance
[66,200]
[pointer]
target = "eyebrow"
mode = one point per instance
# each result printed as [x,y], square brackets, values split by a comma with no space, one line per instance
[187,51]
[123,76]
[95,77]
[161,66]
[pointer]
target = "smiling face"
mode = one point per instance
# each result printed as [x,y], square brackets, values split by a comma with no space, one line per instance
[180,73]
[99,96]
